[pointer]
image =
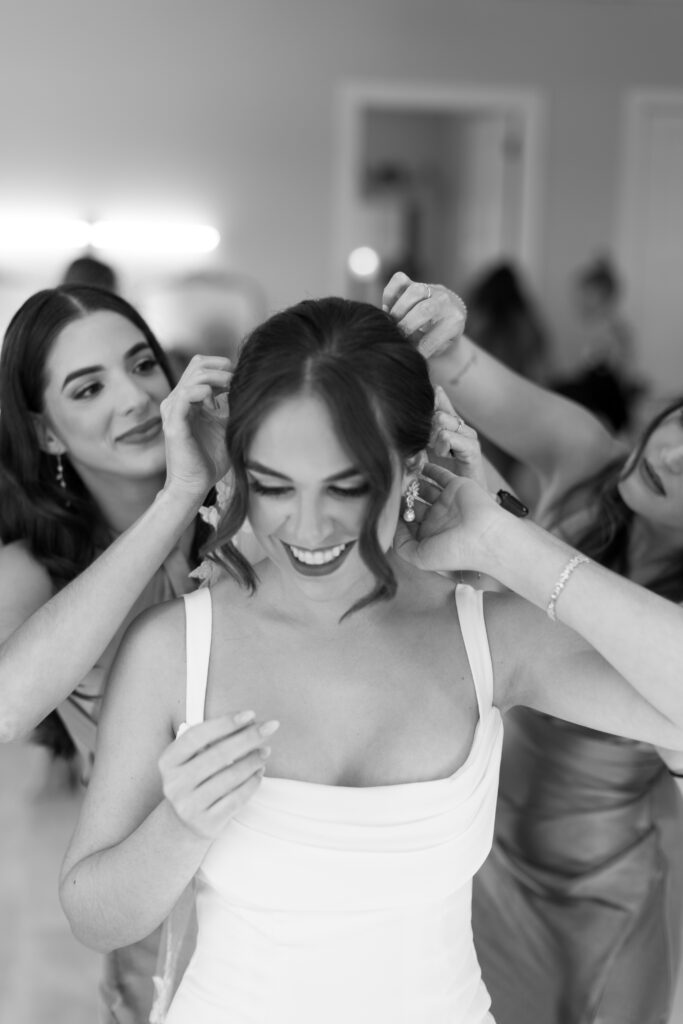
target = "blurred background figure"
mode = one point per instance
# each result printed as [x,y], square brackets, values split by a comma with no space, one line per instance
[505,320]
[206,312]
[87,269]
[604,379]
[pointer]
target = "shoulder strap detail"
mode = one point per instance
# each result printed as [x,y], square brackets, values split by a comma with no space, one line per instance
[198,651]
[470,605]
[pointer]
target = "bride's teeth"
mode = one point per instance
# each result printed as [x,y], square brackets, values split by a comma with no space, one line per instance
[317,557]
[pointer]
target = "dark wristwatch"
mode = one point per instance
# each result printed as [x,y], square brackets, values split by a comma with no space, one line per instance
[512,504]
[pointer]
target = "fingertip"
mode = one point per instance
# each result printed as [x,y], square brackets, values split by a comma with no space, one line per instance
[268,728]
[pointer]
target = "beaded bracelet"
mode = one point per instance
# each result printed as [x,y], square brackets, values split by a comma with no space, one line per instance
[569,568]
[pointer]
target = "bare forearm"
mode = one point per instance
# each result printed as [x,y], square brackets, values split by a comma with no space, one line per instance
[119,895]
[46,657]
[637,632]
[540,428]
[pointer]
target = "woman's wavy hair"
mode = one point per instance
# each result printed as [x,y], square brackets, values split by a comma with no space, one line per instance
[606,538]
[375,386]
[61,526]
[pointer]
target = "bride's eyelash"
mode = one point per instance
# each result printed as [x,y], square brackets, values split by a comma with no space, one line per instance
[343,492]
[260,489]
[351,492]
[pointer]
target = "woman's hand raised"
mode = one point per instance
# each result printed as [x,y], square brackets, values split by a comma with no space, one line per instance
[457,521]
[453,439]
[194,416]
[211,769]
[429,315]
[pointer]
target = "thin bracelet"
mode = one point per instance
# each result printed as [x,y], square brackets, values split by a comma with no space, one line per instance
[569,568]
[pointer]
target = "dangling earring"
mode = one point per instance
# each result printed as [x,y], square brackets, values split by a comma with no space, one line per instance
[411,494]
[59,473]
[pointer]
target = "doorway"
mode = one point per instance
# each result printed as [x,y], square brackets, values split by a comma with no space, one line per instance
[438,181]
[650,236]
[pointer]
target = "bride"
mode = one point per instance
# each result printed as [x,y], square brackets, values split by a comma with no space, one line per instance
[316,740]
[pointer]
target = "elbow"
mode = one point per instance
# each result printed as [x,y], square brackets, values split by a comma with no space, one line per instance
[11,728]
[82,921]
[88,938]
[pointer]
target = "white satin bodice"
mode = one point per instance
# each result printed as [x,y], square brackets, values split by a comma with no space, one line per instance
[330,905]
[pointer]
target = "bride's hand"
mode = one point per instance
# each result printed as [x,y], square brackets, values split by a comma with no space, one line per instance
[194,416]
[457,523]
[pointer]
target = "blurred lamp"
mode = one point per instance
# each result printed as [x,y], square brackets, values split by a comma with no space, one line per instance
[165,237]
[38,234]
[363,262]
[44,234]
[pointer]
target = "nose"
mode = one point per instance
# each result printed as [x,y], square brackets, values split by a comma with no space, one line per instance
[672,457]
[310,523]
[130,394]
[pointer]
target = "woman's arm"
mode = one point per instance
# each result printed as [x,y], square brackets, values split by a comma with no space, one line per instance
[153,805]
[560,440]
[627,681]
[49,643]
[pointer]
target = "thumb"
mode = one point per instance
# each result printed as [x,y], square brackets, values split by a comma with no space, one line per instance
[405,544]
[443,402]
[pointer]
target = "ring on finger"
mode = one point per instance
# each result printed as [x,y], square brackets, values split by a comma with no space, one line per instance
[429,292]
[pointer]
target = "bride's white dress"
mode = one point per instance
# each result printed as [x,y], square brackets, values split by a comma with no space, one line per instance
[335,905]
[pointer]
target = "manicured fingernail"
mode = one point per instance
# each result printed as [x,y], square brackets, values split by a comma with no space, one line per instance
[244,717]
[385,309]
[268,728]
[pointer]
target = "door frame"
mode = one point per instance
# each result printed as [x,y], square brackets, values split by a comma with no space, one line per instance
[354,97]
[638,107]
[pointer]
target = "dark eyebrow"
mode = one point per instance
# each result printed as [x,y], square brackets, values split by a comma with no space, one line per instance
[257,467]
[95,369]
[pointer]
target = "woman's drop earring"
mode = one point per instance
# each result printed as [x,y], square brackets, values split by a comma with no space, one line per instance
[411,494]
[59,473]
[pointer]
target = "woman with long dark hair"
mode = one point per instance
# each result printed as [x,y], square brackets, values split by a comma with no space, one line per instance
[334,855]
[577,912]
[95,525]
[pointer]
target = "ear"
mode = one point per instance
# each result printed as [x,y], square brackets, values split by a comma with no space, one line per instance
[46,437]
[412,468]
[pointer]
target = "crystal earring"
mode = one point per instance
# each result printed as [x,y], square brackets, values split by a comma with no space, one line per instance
[59,473]
[411,494]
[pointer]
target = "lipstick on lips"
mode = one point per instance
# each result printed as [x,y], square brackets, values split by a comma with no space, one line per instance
[142,433]
[651,477]
[320,562]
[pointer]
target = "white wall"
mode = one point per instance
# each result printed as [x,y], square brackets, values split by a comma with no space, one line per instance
[226,112]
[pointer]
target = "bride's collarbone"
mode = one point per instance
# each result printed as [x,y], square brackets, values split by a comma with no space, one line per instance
[400,648]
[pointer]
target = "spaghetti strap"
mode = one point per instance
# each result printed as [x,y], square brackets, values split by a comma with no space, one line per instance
[470,605]
[178,935]
[198,619]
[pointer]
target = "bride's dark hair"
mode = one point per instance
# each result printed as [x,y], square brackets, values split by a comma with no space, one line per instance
[375,385]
